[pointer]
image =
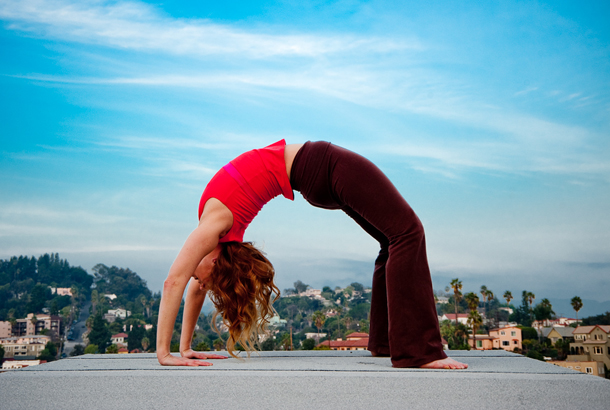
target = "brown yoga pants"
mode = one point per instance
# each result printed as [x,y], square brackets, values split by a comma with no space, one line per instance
[403,321]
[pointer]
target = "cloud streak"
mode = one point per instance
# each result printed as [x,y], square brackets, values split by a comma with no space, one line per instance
[137,26]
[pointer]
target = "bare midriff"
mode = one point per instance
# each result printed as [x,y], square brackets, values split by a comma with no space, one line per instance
[289,153]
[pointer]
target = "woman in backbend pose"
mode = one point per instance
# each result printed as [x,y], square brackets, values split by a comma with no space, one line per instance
[239,278]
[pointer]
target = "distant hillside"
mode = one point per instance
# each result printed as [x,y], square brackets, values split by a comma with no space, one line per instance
[563,307]
[25,284]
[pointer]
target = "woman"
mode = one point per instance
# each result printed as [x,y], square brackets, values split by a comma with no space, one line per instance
[403,321]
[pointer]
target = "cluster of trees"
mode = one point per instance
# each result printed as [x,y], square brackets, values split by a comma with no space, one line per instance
[25,285]
[132,294]
[346,310]
[456,333]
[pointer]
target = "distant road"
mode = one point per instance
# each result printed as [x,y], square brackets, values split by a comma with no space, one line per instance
[78,328]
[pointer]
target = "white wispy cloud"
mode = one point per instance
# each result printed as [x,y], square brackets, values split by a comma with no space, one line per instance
[138,26]
[371,72]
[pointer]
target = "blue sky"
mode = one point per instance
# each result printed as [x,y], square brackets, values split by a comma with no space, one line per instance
[493,121]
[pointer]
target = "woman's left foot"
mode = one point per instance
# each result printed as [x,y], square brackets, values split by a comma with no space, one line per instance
[447,363]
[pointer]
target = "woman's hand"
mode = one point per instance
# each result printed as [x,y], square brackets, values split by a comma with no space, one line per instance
[191,354]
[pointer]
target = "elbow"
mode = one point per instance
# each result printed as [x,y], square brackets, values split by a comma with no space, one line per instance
[170,284]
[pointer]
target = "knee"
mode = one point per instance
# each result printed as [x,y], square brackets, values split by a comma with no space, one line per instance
[411,229]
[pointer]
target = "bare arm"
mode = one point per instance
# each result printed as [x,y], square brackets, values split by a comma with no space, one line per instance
[215,221]
[195,297]
[192,308]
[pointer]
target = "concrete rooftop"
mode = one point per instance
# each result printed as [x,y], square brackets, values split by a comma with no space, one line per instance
[301,380]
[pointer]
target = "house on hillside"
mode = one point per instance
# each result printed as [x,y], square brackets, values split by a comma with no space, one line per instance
[35,324]
[507,338]
[483,342]
[591,343]
[120,339]
[114,314]
[24,347]
[560,321]
[593,368]
[556,333]
[6,329]
[462,317]
[353,341]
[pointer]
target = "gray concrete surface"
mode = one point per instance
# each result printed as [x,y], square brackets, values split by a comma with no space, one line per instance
[300,380]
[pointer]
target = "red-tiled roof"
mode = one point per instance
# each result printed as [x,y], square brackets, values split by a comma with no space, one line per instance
[120,335]
[364,342]
[451,316]
[357,335]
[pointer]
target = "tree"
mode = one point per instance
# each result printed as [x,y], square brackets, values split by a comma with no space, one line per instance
[146,342]
[490,295]
[91,349]
[38,298]
[576,305]
[456,285]
[508,296]
[99,335]
[484,294]
[34,321]
[285,342]
[318,319]
[473,301]
[474,320]
[357,287]
[300,286]
[544,310]
[1,353]
[94,299]
[308,344]
[268,345]
[531,297]
[78,350]
[112,349]
[219,344]
[136,334]
[49,353]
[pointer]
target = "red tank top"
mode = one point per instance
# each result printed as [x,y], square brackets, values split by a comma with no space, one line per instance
[247,183]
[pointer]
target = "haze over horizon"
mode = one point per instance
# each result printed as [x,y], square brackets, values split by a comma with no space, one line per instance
[492,120]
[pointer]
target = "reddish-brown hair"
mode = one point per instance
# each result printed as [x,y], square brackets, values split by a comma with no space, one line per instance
[243,292]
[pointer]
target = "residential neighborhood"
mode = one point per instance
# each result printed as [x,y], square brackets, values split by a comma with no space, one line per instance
[117,313]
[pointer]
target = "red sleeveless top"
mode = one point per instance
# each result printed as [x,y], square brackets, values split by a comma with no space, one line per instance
[247,183]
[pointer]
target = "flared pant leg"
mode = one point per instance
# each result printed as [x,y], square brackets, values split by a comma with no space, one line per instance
[403,311]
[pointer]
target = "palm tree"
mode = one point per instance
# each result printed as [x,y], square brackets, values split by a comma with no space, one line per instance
[473,301]
[508,296]
[456,285]
[484,293]
[348,321]
[318,319]
[576,305]
[94,300]
[218,344]
[474,320]
[34,321]
[490,296]
[144,303]
[531,297]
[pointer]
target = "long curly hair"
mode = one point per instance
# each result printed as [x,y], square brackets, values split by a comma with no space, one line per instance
[243,292]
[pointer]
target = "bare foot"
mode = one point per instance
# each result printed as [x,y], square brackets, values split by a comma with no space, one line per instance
[374,354]
[447,363]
